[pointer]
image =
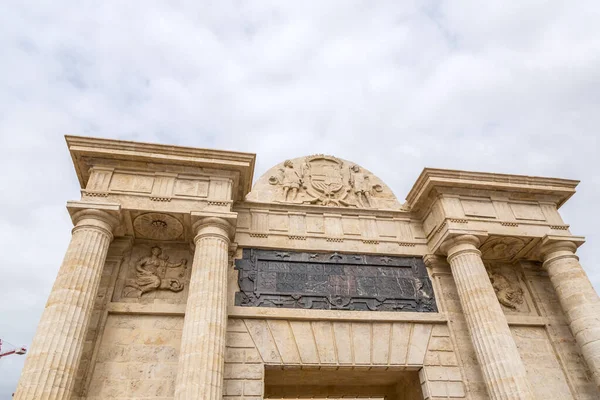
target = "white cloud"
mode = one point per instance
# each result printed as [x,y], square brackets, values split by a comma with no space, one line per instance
[394,86]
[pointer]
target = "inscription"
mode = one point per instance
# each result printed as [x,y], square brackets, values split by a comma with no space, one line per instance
[333,281]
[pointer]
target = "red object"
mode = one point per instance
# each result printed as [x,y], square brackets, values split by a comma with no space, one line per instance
[19,351]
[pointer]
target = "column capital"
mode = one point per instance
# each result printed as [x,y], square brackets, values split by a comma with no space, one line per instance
[205,224]
[553,247]
[454,245]
[435,261]
[102,216]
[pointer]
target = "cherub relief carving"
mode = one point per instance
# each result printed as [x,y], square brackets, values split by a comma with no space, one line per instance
[508,295]
[150,274]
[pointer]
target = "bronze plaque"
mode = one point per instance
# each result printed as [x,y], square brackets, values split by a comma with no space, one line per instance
[333,281]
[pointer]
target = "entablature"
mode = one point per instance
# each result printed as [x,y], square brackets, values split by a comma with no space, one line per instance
[159,173]
[510,213]
[320,228]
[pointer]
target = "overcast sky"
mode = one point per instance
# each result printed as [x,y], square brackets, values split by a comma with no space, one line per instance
[395,86]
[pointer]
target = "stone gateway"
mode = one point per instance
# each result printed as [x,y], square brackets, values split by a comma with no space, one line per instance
[183,281]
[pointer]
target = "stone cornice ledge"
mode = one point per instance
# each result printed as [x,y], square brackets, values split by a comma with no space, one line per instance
[533,320]
[320,315]
[146,309]
[284,313]
[335,315]
[432,177]
[81,147]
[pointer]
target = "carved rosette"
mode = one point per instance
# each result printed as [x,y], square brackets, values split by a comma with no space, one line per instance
[157,226]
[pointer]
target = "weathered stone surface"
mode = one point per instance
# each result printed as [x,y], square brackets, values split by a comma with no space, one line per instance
[514,314]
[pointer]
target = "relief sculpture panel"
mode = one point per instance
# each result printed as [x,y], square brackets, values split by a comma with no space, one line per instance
[323,180]
[154,274]
[151,274]
[509,288]
[333,281]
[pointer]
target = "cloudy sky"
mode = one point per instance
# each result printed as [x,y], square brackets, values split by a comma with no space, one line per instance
[395,86]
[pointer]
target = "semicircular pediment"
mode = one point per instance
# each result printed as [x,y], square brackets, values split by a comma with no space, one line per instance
[323,180]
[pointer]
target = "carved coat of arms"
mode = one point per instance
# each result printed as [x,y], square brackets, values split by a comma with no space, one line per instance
[325,181]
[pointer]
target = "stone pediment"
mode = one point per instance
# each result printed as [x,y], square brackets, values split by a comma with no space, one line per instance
[325,181]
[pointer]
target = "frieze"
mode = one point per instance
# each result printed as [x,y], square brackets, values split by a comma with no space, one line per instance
[333,281]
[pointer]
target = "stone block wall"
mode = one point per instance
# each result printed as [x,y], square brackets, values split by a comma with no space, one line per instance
[137,358]
[253,344]
[132,344]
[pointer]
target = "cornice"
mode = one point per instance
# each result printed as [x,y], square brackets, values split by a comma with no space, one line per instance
[431,178]
[87,147]
[308,209]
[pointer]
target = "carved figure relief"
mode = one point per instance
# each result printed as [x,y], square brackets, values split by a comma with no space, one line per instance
[509,294]
[327,181]
[150,274]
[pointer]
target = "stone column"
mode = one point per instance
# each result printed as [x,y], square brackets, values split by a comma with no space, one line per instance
[503,371]
[201,359]
[578,299]
[53,359]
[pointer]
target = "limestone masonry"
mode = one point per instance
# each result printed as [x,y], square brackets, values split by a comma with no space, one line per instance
[184,281]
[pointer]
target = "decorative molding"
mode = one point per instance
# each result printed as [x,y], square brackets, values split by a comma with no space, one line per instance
[504,223]
[94,194]
[296,237]
[336,240]
[370,241]
[406,244]
[218,203]
[258,235]
[154,198]
[458,220]
[440,228]
[560,227]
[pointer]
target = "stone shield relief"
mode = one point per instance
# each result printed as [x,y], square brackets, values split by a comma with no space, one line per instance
[332,281]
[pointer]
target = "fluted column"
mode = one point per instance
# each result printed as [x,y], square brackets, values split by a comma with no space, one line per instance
[201,359]
[578,299]
[503,371]
[53,359]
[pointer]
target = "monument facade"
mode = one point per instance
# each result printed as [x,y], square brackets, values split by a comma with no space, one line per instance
[184,281]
